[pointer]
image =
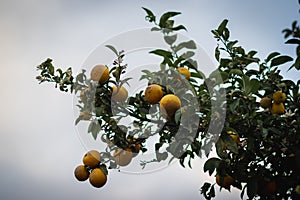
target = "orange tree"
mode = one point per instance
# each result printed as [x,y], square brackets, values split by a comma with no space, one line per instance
[245,110]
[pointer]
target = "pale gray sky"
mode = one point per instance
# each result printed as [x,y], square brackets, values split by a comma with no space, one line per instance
[39,144]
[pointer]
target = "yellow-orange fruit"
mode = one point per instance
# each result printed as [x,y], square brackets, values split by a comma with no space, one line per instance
[119,94]
[277,108]
[169,104]
[279,97]
[91,159]
[100,73]
[123,157]
[81,173]
[266,102]
[97,178]
[184,71]
[153,93]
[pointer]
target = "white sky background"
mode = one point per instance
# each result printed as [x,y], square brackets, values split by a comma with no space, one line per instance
[39,144]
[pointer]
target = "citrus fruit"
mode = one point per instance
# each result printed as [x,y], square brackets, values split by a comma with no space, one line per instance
[81,173]
[184,71]
[169,104]
[153,93]
[277,108]
[85,115]
[97,178]
[100,73]
[266,188]
[224,182]
[266,102]
[119,94]
[91,158]
[123,157]
[279,97]
[234,136]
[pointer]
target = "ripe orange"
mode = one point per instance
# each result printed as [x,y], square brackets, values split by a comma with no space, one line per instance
[97,178]
[169,104]
[91,159]
[184,71]
[81,173]
[123,157]
[226,182]
[277,108]
[119,94]
[153,93]
[100,73]
[234,136]
[85,115]
[266,102]
[279,97]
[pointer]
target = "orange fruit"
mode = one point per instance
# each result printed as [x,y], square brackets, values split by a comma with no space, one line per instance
[119,94]
[184,71]
[226,182]
[100,73]
[153,93]
[81,173]
[85,115]
[266,102]
[279,97]
[97,178]
[169,104]
[277,108]
[123,157]
[91,159]
[234,136]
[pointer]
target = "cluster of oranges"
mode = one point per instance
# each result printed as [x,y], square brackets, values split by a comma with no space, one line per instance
[168,103]
[91,169]
[100,73]
[274,104]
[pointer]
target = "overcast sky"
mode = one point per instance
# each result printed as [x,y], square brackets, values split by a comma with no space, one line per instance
[39,143]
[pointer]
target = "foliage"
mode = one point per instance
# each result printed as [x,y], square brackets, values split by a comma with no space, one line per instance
[268,147]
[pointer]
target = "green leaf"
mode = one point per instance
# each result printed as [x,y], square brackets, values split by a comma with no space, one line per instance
[211,164]
[217,53]
[150,16]
[251,188]
[280,60]
[272,55]
[230,143]
[113,49]
[170,39]
[293,41]
[162,52]
[222,26]
[189,45]
[177,28]
[236,72]
[164,18]
[198,74]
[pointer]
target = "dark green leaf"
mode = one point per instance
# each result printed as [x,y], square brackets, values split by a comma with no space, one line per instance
[272,55]
[217,53]
[293,41]
[222,26]
[251,188]
[150,16]
[211,164]
[280,60]
[163,19]
[162,52]
[177,28]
